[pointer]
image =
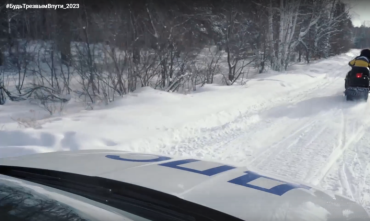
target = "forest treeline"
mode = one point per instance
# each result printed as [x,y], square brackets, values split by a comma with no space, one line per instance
[113,47]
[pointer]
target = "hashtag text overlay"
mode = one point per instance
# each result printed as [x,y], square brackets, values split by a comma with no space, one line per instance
[44,6]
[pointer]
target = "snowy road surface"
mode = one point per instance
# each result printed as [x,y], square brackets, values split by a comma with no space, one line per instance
[315,137]
[296,125]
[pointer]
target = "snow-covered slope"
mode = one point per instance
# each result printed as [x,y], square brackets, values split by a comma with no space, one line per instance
[295,124]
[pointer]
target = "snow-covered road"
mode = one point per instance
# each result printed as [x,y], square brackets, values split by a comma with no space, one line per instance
[312,135]
[321,139]
[296,125]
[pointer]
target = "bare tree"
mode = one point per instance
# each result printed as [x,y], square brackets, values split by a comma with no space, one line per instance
[238,36]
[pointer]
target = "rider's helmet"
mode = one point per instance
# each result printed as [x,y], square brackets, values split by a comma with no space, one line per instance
[365,53]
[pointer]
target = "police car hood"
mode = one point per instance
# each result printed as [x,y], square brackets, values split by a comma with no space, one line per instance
[233,190]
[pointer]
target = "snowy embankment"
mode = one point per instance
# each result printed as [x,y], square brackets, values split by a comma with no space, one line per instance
[294,124]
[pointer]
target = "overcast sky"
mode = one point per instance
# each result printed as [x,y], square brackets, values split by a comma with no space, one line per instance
[360,11]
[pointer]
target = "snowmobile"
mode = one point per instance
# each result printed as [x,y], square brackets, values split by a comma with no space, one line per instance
[357,85]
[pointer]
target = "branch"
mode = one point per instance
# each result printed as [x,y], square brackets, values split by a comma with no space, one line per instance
[151,21]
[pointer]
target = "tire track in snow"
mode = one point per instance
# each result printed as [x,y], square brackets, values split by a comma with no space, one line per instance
[352,172]
[302,156]
[296,140]
[319,175]
[287,143]
[305,125]
[338,152]
[316,178]
[349,174]
[344,180]
[209,142]
[298,133]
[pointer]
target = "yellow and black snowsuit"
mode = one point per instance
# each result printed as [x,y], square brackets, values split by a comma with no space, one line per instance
[360,61]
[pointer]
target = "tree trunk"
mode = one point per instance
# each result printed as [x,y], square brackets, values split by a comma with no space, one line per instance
[64,37]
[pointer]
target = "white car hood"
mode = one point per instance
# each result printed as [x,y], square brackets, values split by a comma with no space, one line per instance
[202,182]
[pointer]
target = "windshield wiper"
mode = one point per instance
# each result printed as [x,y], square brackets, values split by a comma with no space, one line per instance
[141,201]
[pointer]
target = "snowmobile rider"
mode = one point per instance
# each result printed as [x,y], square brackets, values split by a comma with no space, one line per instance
[360,64]
[361,61]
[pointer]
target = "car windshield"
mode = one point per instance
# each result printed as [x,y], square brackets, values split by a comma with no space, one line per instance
[53,195]
[20,202]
